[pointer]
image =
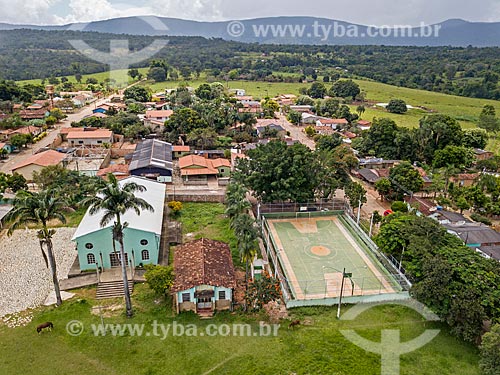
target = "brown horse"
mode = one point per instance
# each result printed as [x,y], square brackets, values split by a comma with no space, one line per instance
[48,325]
[294,323]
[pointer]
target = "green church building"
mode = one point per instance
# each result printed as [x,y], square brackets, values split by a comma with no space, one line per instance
[141,237]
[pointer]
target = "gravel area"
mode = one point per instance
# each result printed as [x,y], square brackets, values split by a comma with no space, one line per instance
[25,282]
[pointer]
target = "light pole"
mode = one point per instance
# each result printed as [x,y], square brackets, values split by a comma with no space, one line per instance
[344,276]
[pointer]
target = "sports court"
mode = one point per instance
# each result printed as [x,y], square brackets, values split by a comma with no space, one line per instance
[313,251]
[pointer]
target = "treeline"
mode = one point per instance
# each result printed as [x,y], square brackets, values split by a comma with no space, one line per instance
[453,280]
[473,72]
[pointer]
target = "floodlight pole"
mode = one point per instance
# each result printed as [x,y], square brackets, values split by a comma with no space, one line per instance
[341,292]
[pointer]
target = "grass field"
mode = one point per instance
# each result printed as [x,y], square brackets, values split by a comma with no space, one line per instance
[314,252]
[317,347]
[209,221]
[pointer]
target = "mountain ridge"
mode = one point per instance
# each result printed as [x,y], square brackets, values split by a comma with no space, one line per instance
[293,30]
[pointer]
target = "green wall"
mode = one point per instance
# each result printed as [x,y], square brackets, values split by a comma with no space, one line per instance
[103,247]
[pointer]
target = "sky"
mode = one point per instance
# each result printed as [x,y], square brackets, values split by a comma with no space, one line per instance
[367,12]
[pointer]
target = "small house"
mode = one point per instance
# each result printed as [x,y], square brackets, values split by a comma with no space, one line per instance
[86,137]
[196,169]
[180,151]
[35,163]
[204,277]
[334,123]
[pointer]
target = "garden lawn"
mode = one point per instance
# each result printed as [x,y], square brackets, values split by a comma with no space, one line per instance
[315,347]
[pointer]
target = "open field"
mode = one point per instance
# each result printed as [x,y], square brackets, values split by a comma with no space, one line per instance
[315,250]
[316,347]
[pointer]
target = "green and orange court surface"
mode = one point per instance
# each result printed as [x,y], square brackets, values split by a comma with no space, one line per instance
[313,253]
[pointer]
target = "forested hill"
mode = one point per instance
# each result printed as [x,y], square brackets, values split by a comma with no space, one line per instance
[474,72]
[292,30]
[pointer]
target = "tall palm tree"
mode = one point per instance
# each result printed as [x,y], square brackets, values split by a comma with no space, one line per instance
[39,209]
[114,201]
[247,235]
[236,202]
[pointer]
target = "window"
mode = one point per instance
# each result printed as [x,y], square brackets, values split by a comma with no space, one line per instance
[80,142]
[222,294]
[90,259]
[222,170]
[144,242]
[145,254]
[99,142]
[186,297]
[89,246]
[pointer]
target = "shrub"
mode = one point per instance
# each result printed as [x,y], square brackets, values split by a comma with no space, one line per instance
[480,219]
[159,278]
[399,206]
[175,207]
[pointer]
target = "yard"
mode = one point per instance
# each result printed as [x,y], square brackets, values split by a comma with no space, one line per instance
[315,347]
[209,221]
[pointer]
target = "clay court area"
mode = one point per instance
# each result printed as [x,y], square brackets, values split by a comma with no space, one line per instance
[314,251]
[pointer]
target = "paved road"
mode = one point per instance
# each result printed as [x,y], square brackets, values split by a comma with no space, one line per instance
[296,132]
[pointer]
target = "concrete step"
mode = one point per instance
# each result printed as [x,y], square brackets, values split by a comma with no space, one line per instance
[113,289]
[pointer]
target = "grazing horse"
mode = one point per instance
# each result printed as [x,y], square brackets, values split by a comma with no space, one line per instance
[294,323]
[48,325]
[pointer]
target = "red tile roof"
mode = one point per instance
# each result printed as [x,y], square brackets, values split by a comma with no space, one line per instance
[181,148]
[43,159]
[94,134]
[205,166]
[159,114]
[332,121]
[203,262]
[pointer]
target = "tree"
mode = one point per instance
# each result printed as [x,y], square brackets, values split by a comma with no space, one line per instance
[360,109]
[462,204]
[332,170]
[458,156]
[204,139]
[475,138]
[397,106]
[379,139]
[490,352]
[236,202]
[247,235]
[405,179]
[133,73]
[310,131]
[345,89]
[157,74]
[435,133]
[159,278]
[383,187]
[328,142]
[40,208]
[262,291]
[182,122]
[488,120]
[19,140]
[317,90]
[16,182]
[294,117]
[276,172]
[138,94]
[270,107]
[356,194]
[113,201]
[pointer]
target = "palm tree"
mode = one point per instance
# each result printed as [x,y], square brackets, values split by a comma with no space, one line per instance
[236,202]
[39,209]
[114,201]
[247,235]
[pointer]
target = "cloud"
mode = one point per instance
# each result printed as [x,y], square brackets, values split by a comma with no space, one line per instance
[23,12]
[380,12]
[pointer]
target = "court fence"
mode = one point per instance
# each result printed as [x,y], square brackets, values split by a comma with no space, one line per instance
[322,291]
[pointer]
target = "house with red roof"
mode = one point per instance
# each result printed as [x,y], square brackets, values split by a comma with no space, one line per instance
[197,169]
[35,163]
